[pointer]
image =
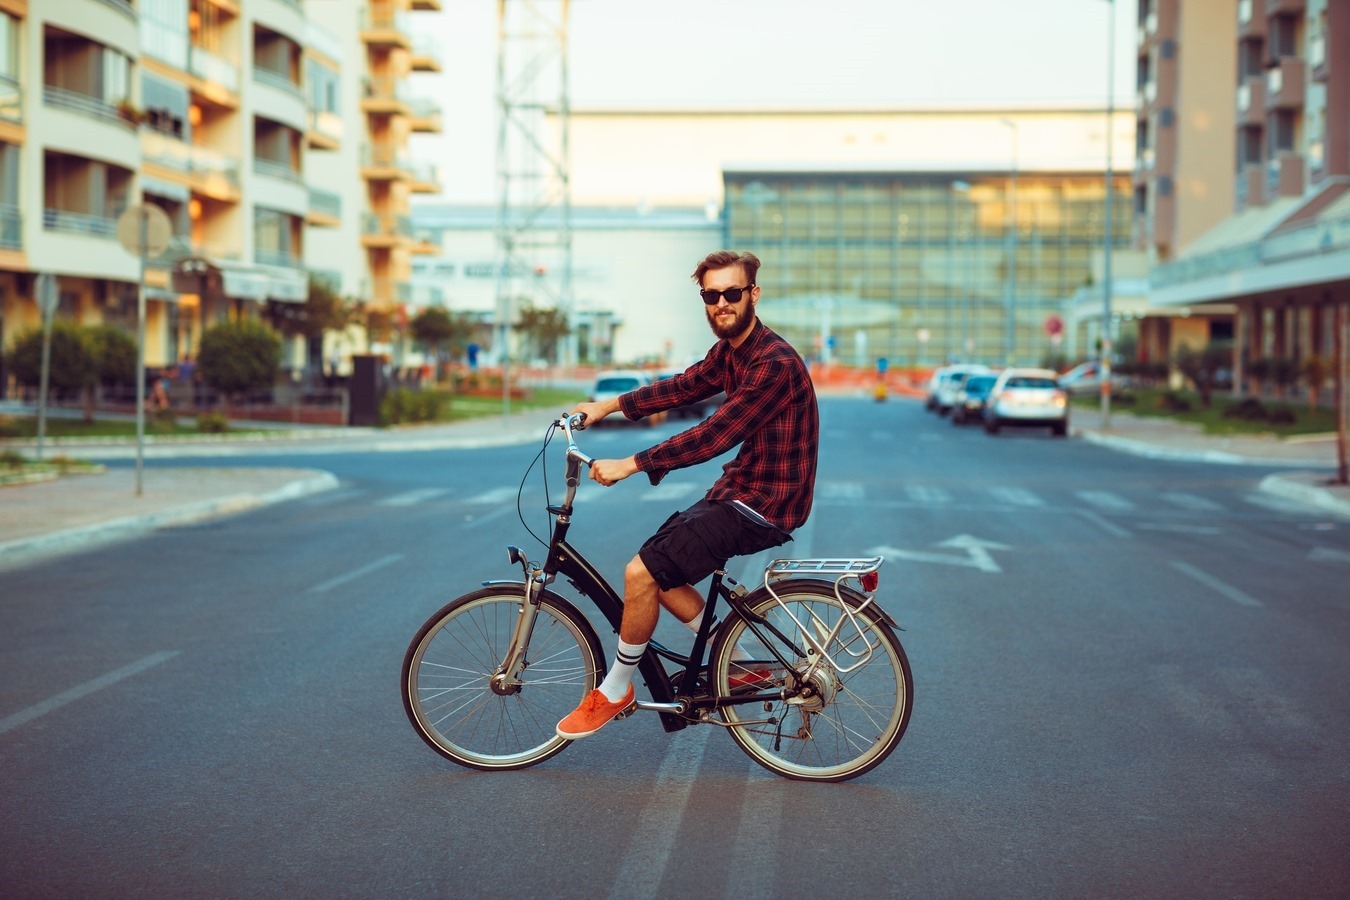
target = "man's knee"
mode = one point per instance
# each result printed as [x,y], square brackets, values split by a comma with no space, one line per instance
[637,576]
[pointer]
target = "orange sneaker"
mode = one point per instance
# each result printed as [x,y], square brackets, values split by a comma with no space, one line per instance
[592,715]
[749,678]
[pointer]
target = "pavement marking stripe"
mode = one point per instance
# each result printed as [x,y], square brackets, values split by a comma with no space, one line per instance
[1017,496]
[647,856]
[668,491]
[411,498]
[920,493]
[1105,500]
[23,716]
[1210,581]
[1104,525]
[355,574]
[1191,502]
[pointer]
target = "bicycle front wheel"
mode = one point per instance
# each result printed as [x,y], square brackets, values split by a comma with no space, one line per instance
[448,690]
[824,724]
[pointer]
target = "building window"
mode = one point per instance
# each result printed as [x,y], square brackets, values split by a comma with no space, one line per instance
[164,30]
[166,106]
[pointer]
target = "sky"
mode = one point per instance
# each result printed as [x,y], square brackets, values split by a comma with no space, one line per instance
[778,53]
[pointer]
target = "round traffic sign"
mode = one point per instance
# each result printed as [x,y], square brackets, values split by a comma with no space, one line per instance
[158,229]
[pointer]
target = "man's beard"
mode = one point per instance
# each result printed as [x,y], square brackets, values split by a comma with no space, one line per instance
[744,316]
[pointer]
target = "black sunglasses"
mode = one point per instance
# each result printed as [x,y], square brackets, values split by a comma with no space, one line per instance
[733,295]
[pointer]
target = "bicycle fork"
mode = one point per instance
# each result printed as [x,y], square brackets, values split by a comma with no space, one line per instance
[507,679]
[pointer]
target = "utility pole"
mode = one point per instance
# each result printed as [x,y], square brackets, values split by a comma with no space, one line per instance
[1104,368]
[534,212]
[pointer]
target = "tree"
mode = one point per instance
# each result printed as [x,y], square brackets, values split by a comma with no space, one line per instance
[1315,370]
[73,366]
[1203,367]
[438,329]
[543,328]
[324,310]
[236,357]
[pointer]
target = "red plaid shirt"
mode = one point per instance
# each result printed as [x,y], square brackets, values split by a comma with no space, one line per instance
[770,412]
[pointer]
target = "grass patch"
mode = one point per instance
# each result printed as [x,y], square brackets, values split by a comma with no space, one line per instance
[1224,415]
[22,427]
[477,406]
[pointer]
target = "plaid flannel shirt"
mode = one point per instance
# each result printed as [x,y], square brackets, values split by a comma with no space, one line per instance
[770,412]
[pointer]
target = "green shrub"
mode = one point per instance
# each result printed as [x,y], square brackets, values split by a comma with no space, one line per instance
[403,406]
[12,459]
[1173,401]
[237,357]
[212,423]
[1281,415]
[162,421]
[1248,409]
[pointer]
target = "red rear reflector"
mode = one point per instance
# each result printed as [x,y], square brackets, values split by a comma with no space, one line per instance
[870,581]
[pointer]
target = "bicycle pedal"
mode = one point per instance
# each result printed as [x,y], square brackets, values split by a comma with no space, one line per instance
[628,711]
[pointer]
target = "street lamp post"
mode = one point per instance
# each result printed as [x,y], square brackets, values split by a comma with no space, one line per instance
[957,187]
[1010,281]
[1105,367]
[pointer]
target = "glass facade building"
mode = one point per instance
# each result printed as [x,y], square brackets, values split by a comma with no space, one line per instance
[913,267]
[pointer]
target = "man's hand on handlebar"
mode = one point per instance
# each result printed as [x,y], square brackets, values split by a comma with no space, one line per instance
[594,411]
[610,471]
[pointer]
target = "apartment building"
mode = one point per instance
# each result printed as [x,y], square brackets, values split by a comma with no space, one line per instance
[1281,258]
[245,121]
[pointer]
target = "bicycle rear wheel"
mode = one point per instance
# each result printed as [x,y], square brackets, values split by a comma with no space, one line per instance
[828,726]
[448,669]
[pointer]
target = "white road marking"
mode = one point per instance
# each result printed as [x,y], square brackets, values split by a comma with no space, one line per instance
[976,557]
[1210,581]
[922,493]
[850,491]
[1191,502]
[1328,554]
[496,495]
[1179,528]
[645,859]
[1017,496]
[412,498]
[1109,527]
[23,716]
[1105,500]
[356,573]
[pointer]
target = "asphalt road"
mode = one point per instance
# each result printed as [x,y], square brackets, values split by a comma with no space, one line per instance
[1130,680]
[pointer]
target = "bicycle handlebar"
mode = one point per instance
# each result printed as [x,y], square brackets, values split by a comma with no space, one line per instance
[568,423]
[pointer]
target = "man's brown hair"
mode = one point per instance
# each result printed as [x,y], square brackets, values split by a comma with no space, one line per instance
[721,259]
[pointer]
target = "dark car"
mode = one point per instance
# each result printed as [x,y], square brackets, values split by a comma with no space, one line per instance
[699,409]
[970,399]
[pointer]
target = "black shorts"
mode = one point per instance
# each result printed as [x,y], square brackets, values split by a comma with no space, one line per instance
[694,543]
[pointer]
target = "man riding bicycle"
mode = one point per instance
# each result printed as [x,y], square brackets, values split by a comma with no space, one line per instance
[762,496]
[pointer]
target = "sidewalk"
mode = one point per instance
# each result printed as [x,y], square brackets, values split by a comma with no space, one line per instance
[79,510]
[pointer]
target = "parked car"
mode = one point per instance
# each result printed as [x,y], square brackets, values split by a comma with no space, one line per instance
[934,380]
[951,382]
[970,399]
[1083,380]
[700,409]
[617,382]
[1027,397]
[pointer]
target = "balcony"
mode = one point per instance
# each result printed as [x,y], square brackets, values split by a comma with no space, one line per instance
[11,227]
[385,232]
[1285,7]
[387,292]
[274,168]
[383,163]
[208,172]
[279,80]
[124,7]
[383,25]
[86,224]
[426,179]
[325,208]
[426,54]
[325,130]
[1285,84]
[11,99]
[1251,186]
[1251,101]
[89,105]
[385,95]
[426,115]
[284,259]
[217,76]
[1285,175]
[1250,25]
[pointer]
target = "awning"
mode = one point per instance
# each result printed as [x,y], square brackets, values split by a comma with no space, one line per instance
[243,281]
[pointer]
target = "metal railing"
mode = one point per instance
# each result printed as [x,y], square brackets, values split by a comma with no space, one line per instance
[327,203]
[11,227]
[282,258]
[79,223]
[279,80]
[210,67]
[85,104]
[276,169]
[11,99]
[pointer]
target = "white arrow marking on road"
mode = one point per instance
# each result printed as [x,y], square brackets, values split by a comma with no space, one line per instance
[977,553]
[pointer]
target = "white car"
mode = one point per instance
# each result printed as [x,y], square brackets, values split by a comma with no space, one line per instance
[1027,397]
[953,377]
[1083,380]
[615,383]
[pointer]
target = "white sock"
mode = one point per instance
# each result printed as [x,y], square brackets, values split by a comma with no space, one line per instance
[737,654]
[620,675]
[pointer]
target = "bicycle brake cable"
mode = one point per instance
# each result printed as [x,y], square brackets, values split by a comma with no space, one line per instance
[520,492]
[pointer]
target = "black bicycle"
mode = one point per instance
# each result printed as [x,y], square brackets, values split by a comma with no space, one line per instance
[820,689]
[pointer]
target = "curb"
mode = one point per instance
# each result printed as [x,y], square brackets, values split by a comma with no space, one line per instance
[1156,451]
[1303,487]
[104,532]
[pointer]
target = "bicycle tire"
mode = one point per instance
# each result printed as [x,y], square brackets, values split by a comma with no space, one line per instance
[447,672]
[863,714]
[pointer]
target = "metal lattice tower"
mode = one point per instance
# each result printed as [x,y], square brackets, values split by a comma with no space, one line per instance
[534,216]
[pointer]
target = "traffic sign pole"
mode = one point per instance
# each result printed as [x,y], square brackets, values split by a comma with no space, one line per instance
[45,288]
[144,230]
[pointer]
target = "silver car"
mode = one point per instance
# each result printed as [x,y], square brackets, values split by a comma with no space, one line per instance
[1027,397]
